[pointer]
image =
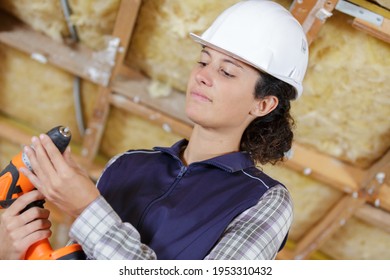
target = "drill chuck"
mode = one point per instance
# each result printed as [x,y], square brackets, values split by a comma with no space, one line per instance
[60,136]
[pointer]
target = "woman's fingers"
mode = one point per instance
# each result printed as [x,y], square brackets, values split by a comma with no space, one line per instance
[59,177]
[47,163]
[34,226]
[39,161]
[15,219]
[53,153]
[21,203]
[20,229]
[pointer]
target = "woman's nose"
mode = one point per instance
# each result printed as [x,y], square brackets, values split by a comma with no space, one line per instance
[203,76]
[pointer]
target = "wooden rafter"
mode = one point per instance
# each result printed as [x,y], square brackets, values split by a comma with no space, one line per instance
[123,29]
[167,122]
[312,15]
[381,32]
[374,216]
[172,105]
[73,58]
[332,171]
[327,226]
[370,185]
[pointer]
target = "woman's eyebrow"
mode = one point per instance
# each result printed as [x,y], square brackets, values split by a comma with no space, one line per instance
[205,51]
[224,60]
[233,62]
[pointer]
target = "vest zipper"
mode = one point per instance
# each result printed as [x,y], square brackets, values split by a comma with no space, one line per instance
[183,170]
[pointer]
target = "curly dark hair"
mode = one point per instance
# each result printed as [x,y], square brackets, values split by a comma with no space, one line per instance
[269,137]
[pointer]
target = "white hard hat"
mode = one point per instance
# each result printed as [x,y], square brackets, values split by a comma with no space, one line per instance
[263,34]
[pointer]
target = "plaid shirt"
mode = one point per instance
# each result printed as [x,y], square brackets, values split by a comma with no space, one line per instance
[257,233]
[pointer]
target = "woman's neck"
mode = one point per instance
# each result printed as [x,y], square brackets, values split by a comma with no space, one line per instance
[205,144]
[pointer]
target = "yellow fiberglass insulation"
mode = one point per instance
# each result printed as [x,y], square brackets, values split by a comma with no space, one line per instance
[344,110]
[358,240]
[94,20]
[383,3]
[125,131]
[161,47]
[39,94]
[42,15]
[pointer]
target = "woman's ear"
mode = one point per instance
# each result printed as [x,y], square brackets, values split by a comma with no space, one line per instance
[264,105]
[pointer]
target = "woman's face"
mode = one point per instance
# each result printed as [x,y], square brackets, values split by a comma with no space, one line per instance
[220,92]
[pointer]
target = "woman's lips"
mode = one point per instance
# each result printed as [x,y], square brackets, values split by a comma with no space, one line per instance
[200,96]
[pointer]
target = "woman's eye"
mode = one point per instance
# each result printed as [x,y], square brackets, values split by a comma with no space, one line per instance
[227,74]
[202,64]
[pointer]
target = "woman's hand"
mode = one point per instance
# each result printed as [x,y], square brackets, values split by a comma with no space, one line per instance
[58,177]
[19,231]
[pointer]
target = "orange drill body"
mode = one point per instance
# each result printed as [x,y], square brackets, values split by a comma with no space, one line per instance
[13,184]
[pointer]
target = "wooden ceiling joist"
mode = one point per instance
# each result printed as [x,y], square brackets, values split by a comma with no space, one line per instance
[73,58]
[312,15]
[123,29]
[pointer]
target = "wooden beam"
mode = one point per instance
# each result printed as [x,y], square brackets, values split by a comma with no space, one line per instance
[376,182]
[172,105]
[123,29]
[381,32]
[327,226]
[382,199]
[312,15]
[129,72]
[324,168]
[75,58]
[96,125]
[167,122]
[343,176]
[374,216]
[12,134]
[373,7]
[370,183]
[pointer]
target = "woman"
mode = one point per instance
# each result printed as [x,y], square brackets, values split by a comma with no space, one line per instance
[199,199]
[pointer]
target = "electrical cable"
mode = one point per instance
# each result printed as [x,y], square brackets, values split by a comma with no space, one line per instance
[76,81]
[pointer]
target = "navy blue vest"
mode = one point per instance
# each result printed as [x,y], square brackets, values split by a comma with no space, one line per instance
[179,211]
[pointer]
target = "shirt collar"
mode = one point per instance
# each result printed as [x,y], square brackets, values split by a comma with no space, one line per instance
[231,162]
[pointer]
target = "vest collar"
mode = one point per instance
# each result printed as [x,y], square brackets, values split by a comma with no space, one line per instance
[231,162]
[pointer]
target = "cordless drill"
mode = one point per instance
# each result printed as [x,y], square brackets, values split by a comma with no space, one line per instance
[13,184]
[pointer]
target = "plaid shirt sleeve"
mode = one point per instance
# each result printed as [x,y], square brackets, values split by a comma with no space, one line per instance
[255,234]
[103,235]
